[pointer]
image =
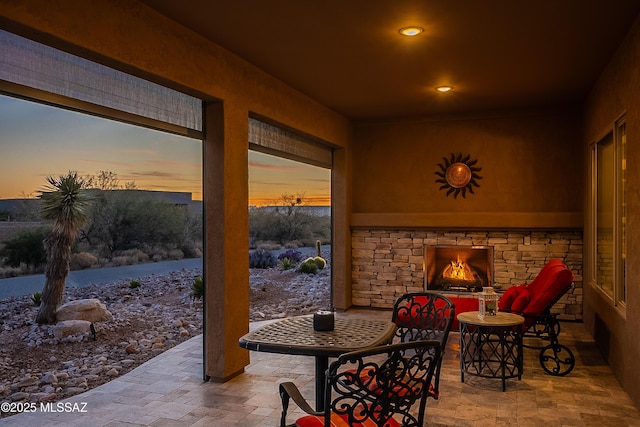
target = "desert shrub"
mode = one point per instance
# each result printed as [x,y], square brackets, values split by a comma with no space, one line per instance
[197,288]
[134,284]
[308,266]
[290,226]
[190,250]
[286,263]
[27,247]
[269,246]
[82,260]
[193,228]
[121,220]
[261,258]
[175,254]
[134,255]
[11,271]
[293,255]
[155,253]
[118,261]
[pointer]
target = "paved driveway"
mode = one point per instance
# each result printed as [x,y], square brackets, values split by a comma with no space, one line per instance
[25,285]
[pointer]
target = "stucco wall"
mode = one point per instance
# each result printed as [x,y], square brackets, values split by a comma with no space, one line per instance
[132,37]
[617,329]
[531,173]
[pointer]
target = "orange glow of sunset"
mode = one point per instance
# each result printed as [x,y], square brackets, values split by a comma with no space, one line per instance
[270,177]
[38,141]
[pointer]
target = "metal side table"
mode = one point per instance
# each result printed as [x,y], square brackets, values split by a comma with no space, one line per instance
[491,347]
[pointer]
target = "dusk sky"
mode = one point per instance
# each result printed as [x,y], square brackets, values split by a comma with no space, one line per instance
[37,141]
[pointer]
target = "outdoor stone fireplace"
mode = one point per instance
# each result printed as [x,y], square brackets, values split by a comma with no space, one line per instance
[387,263]
[458,268]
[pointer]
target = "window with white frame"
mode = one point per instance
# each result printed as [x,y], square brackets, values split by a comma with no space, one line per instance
[609,213]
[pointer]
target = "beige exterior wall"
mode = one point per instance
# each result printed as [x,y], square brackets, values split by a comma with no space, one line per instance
[531,173]
[617,330]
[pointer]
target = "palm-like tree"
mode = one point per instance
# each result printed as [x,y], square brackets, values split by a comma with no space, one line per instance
[64,202]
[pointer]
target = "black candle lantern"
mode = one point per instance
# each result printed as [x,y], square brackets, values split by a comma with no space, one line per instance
[323,320]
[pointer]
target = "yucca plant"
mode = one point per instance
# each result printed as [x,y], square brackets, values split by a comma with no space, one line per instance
[65,202]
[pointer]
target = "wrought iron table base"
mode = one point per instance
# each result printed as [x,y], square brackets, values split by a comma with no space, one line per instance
[491,348]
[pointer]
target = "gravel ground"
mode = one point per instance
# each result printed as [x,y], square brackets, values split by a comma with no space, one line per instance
[148,320]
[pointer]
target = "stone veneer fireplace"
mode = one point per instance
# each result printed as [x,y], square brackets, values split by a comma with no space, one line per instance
[387,263]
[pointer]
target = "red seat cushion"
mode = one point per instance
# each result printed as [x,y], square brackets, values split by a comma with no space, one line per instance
[522,299]
[507,299]
[338,421]
[544,276]
[462,306]
[545,294]
[402,387]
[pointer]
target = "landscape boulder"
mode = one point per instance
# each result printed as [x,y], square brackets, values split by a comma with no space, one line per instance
[70,327]
[90,309]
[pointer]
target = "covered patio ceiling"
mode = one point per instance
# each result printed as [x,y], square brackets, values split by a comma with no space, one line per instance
[349,55]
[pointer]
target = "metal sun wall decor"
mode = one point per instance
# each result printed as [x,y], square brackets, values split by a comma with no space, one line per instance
[458,174]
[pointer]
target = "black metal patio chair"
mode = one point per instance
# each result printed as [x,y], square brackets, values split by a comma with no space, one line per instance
[425,316]
[380,386]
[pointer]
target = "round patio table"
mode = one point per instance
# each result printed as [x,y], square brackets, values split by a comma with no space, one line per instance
[296,335]
[491,347]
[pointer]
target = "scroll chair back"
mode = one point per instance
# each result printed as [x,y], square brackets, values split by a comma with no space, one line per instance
[380,386]
[425,316]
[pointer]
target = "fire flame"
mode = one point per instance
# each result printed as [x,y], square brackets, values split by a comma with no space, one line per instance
[457,270]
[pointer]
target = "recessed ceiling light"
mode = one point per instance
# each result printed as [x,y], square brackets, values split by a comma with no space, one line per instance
[411,31]
[444,88]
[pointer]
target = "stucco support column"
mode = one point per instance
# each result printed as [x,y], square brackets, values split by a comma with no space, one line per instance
[226,268]
[341,238]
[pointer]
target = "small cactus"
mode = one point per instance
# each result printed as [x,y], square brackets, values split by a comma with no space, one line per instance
[320,262]
[308,266]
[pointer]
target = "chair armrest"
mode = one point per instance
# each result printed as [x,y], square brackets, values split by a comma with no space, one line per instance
[289,390]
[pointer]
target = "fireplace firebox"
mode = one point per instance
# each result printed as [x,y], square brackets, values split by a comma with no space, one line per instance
[458,268]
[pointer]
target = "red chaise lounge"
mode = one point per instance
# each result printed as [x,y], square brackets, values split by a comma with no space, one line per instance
[534,301]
